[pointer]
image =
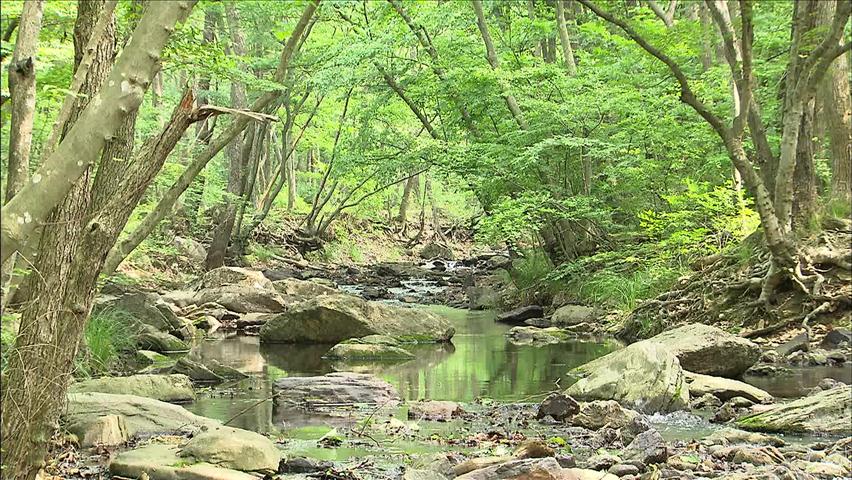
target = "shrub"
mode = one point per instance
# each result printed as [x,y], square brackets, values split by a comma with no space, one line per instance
[107,335]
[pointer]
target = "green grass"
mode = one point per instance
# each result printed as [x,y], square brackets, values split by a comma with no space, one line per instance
[106,337]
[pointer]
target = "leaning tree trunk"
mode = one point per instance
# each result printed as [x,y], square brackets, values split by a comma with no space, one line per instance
[72,248]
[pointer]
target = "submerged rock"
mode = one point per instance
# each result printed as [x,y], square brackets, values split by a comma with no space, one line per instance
[724,388]
[367,351]
[710,350]
[537,336]
[644,376]
[233,448]
[826,412]
[334,318]
[341,388]
[168,388]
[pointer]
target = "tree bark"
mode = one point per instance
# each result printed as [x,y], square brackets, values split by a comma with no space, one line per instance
[98,124]
[123,248]
[402,215]
[805,191]
[22,88]
[494,61]
[564,39]
[667,15]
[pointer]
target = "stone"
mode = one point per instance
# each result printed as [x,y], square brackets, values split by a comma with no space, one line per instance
[434,410]
[559,406]
[416,474]
[243,299]
[836,337]
[196,371]
[148,357]
[709,350]
[334,388]
[822,469]
[604,413]
[498,261]
[525,469]
[645,376]
[537,336]
[224,371]
[623,469]
[435,250]
[141,415]
[708,400]
[825,384]
[729,436]
[161,462]
[827,412]
[233,448]
[152,339]
[573,315]
[190,248]
[518,315]
[602,461]
[168,388]
[137,309]
[648,447]
[482,297]
[334,318]
[302,465]
[219,277]
[302,289]
[533,449]
[799,343]
[724,388]
[473,464]
[108,431]
[586,474]
[353,350]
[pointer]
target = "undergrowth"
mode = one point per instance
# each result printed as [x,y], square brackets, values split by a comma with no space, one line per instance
[107,336]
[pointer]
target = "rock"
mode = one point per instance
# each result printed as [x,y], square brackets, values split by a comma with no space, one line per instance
[825,384]
[334,318]
[798,343]
[137,309]
[219,277]
[224,371]
[526,469]
[482,297]
[644,376]
[724,388]
[605,413]
[520,314]
[196,371]
[161,462]
[729,436]
[233,448]
[559,406]
[623,469]
[436,462]
[152,339]
[108,431]
[708,400]
[415,474]
[355,350]
[724,414]
[497,262]
[302,289]
[537,336]
[827,412]
[324,282]
[434,250]
[148,357]
[141,415]
[825,470]
[334,388]
[533,449]
[602,461]
[474,464]
[586,474]
[648,447]
[243,299]
[573,315]
[302,465]
[167,388]
[710,350]
[435,410]
[836,338]
[190,248]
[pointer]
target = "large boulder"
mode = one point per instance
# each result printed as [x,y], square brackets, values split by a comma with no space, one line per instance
[573,315]
[606,413]
[724,388]
[149,338]
[141,415]
[233,448]
[219,277]
[161,462]
[644,376]
[355,350]
[435,250]
[303,289]
[242,298]
[139,308]
[334,318]
[826,412]
[520,314]
[340,388]
[525,469]
[710,350]
[167,388]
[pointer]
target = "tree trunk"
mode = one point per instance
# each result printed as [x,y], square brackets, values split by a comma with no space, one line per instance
[804,182]
[72,248]
[564,39]
[164,207]
[402,216]
[290,164]
[531,16]
[22,87]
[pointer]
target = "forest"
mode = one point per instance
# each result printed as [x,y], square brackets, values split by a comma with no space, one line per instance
[426,239]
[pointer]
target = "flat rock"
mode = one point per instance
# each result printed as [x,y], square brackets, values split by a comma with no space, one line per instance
[233,448]
[435,410]
[826,412]
[367,351]
[168,388]
[161,462]
[108,431]
[724,388]
[525,469]
[294,288]
[243,299]
[334,318]
[537,336]
[518,315]
[573,315]
[339,388]
[244,277]
[710,350]
[645,376]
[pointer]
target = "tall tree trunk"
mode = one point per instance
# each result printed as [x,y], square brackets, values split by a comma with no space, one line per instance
[564,39]
[805,193]
[72,248]
[222,234]
[123,248]
[402,215]
[22,87]
[531,16]
[290,161]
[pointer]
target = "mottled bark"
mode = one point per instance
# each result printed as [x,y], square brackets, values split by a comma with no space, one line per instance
[564,39]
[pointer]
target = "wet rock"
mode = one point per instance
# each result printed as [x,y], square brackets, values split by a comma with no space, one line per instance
[770,356]
[648,447]
[339,388]
[302,465]
[526,469]
[435,250]
[196,371]
[354,350]
[622,469]
[709,350]
[141,415]
[334,318]
[724,388]
[375,293]
[566,461]
[219,277]
[837,337]
[644,376]
[573,315]
[765,370]
[606,413]
[728,436]
[497,262]
[107,431]
[799,343]
[152,339]
[724,414]
[302,289]
[435,410]
[558,406]
[825,384]
[233,448]
[707,400]
[826,412]
[243,299]
[161,462]
[537,336]
[167,388]
[520,314]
